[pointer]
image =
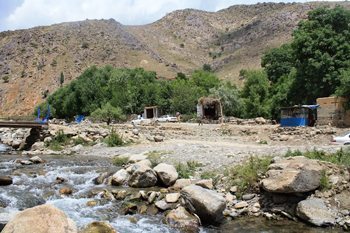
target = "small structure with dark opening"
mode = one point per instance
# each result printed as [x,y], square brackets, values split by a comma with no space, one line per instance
[150,112]
[300,115]
[209,108]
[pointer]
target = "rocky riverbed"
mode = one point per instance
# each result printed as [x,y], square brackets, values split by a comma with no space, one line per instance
[82,176]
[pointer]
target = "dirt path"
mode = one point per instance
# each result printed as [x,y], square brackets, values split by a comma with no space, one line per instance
[213,146]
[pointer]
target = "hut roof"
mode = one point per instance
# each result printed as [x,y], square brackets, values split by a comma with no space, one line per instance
[208,101]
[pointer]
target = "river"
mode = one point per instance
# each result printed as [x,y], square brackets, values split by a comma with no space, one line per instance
[36,184]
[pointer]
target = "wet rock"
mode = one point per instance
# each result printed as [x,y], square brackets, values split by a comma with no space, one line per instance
[163,205]
[129,208]
[36,159]
[205,183]
[142,209]
[59,180]
[172,197]
[207,204]
[152,196]
[99,227]
[24,162]
[166,173]
[142,176]
[181,219]
[101,178]
[152,210]
[91,203]
[5,180]
[29,201]
[315,212]
[41,219]
[293,175]
[38,146]
[66,191]
[120,177]
[120,194]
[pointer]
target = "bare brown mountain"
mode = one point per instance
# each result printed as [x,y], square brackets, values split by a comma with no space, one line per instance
[229,40]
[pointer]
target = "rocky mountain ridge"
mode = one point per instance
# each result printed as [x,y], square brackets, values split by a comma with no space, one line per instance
[231,39]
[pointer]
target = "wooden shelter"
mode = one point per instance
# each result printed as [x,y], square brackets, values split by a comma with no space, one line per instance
[209,108]
[150,112]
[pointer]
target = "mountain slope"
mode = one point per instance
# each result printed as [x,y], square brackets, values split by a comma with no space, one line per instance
[229,40]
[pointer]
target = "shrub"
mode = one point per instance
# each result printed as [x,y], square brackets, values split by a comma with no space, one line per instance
[114,139]
[58,141]
[6,79]
[79,141]
[120,160]
[247,175]
[186,170]
[324,182]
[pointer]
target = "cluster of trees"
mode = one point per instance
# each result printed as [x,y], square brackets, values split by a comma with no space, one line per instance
[315,64]
[112,93]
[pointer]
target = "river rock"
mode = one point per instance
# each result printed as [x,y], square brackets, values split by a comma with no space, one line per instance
[137,157]
[293,175]
[163,205]
[240,205]
[181,219]
[142,177]
[5,180]
[247,197]
[158,138]
[99,227]
[205,183]
[166,173]
[181,183]
[120,177]
[38,146]
[207,204]
[101,178]
[172,197]
[66,191]
[315,212]
[36,159]
[40,219]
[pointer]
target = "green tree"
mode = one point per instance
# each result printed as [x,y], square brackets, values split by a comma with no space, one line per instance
[321,46]
[230,98]
[344,87]
[107,113]
[278,62]
[61,79]
[205,80]
[255,94]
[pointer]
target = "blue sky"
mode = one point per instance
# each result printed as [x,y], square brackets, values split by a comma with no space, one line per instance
[20,14]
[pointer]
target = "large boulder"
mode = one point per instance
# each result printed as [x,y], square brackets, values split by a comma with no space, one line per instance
[315,212]
[181,219]
[293,175]
[5,180]
[99,227]
[207,204]
[40,219]
[120,177]
[142,176]
[166,173]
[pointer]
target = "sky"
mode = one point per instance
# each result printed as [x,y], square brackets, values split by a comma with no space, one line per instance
[22,14]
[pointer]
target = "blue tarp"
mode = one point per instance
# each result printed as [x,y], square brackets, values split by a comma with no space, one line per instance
[294,122]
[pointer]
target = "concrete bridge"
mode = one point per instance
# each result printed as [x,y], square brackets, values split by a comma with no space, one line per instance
[35,129]
[23,124]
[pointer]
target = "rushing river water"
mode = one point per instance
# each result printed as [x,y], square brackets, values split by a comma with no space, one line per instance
[36,184]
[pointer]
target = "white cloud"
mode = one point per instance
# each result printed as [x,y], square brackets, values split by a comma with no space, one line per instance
[43,12]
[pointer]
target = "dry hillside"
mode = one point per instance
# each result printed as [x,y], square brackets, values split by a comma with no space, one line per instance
[229,40]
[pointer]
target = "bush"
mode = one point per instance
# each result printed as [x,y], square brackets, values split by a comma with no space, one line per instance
[59,141]
[247,175]
[119,160]
[79,141]
[186,170]
[114,139]
[6,79]
[324,182]
[155,157]
[108,113]
[340,157]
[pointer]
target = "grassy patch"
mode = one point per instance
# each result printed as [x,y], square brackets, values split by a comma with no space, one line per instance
[155,156]
[186,170]
[59,141]
[247,175]
[80,141]
[325,184]
[120,160]
[340,157]
[114,139]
